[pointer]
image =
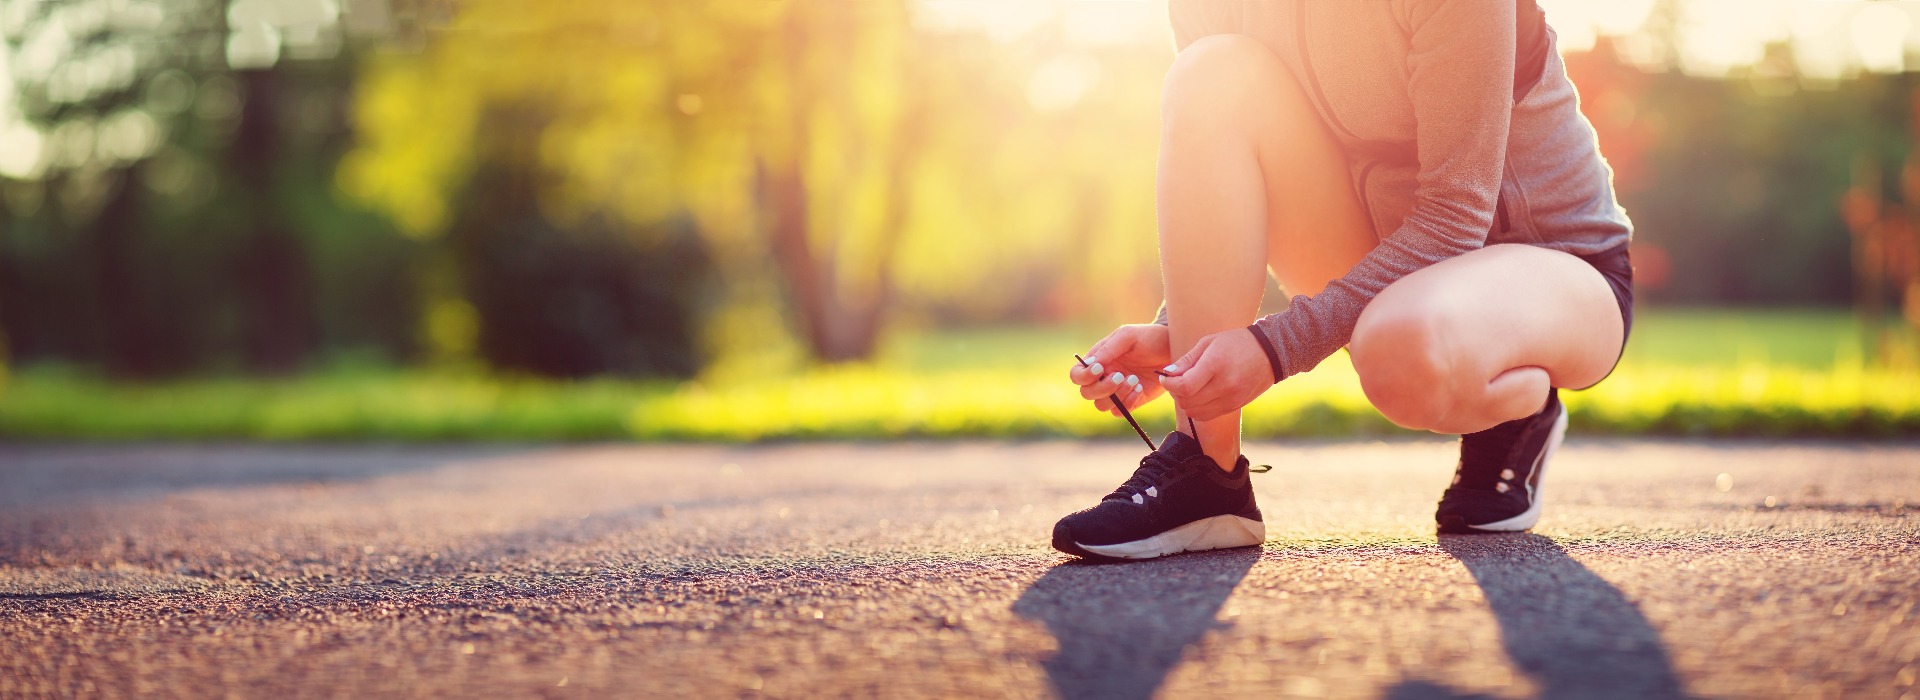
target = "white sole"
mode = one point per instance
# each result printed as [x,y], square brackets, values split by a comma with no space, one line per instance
[1527,519]
[1217,532]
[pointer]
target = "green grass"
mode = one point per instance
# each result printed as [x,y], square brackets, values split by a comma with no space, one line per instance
[1795,373]
[1807,339]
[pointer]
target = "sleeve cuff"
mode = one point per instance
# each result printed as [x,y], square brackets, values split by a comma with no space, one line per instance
[1266,346]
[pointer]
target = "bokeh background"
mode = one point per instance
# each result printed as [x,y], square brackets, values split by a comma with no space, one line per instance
[743,220]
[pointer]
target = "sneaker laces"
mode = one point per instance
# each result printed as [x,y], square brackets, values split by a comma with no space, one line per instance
[1154,468]
[1129,488]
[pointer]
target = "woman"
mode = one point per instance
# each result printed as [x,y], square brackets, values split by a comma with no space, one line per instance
[1419,174]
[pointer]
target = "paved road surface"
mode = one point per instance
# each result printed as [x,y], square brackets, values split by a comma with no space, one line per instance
[921,569]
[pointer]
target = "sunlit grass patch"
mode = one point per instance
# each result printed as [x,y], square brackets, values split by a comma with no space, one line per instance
[1005,383]
[387,406]
[1753,399]
[1034,400]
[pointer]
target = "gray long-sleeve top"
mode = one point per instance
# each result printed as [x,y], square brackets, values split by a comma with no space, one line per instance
[1422,96]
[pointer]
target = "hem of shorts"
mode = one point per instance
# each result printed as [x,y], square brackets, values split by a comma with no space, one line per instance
[1626,309]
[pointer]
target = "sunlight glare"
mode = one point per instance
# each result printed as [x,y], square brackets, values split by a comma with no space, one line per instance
[1082,22]
[253,46]
[1062,82]
[1718,35]
[1117,22]
[20,151]
[1578,22]
[1821,41]
[1001,20]
[1880,37]
[1619,16]
[1712,37]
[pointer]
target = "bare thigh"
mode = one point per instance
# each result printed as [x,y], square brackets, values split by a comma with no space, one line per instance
[1461,345]
[1476,340]
[1317,229]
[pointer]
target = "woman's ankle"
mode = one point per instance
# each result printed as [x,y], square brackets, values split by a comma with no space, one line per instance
[1219,438]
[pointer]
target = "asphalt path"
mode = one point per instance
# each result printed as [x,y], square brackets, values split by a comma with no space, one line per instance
[1661,569]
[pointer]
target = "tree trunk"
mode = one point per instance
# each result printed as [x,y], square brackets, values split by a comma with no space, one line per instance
[836,324]
[279,328]
[132,346]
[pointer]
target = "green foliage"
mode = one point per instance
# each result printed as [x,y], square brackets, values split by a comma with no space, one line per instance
[595,298]
[218,244]
[189,220]
[843,166]
[1734,184]
[661,187]
[1006,383]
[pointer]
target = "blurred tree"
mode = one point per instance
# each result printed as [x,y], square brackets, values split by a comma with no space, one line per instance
[168,223]
[550,187]
[1733,180]
[1886,250]
[596,297]
[856,119]
[80,71]
[833,146]
[658,110]
[555,241]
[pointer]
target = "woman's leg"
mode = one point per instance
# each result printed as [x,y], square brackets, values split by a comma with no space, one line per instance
[1249,178]
[1249,173]
[1474,341]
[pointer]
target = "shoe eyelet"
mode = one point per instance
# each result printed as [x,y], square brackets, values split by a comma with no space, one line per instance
[1502,487]
[1506,473]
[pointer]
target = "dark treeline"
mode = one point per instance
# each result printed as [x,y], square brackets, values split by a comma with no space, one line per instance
[217,240]
[1734,184]
[230,250]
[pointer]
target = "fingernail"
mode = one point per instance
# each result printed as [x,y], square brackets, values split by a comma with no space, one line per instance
[1170,368]
[1133,380]
[1117,378]
[1137,388]
[1095,369]
[1093,360]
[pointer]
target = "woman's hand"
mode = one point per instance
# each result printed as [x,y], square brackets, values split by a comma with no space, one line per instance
[1123,364]
[1222,373]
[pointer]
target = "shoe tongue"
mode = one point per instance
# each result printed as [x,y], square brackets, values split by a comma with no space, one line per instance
[1170,458]
[1180,446]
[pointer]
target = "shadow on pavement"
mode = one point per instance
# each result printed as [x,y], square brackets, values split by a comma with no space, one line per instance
[1565,627]
[1123,627]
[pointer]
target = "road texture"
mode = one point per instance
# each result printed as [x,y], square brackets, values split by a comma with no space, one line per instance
[916,569]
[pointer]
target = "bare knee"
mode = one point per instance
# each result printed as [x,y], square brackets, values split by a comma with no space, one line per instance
[1217,85]
[1405,362]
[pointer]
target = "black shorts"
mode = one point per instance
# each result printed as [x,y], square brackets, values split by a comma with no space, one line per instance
[1616,266]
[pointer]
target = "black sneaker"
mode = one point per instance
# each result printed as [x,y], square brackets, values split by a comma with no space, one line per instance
[1179,500]
[1497,485]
